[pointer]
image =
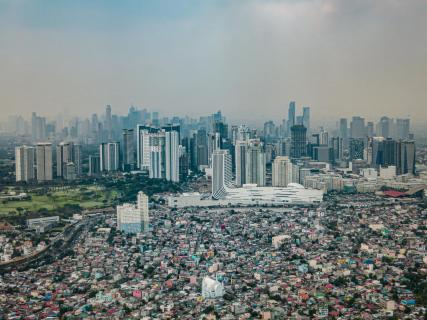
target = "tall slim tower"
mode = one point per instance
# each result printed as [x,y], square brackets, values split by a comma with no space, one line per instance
[282,172]
[128,150]
[240,159]
[221,173]
[44,161]
[291,116]
[298,141]
[24,163]
[172,134]
[306,118]
[255,163]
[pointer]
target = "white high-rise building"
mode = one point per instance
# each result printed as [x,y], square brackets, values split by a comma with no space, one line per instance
[221,173]
[44,161]
[282,172]
[113,156]
[255,163]
[133,218]
[24,163]
[143,146]
[172,155]
[157,156]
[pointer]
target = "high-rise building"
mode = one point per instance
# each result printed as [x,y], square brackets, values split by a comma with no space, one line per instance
[172,140]
[221,173]
[298,141]
[357,128]
[44,161]
[337,146]
[240,160]
[128,150]
[66,153]
[402,128]
[108,122]
[344,132]
[255,163]
[109,156]
[24,163]
[370,129]
[143,145]
[405,157]
[113,156]
[281,172]
[94,165]
[384,127]
[291,116]
[157,168]
[306,117]
[132,219]
[356,148]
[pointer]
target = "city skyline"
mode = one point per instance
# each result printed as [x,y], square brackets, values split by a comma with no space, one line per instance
[244,57]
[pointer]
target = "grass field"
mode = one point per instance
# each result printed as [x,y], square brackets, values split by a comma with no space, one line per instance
[87,197]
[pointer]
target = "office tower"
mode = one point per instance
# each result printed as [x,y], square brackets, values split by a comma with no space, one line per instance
[298,141]
[155,119]
[134,218]
[402,128]
[306,118]
[281,172]
[255,163]
[243,133]
[357,128]
[221,173]
[64,155]
[128,150]
[384,127]
[356,148]
[38,127]
[113,156]
[202,156]
[299,120]
[405,157]
[240,160]
[94,166]
[323,137]
[71,171]
[383,151]
[323,153]
[157,168]
[337,146]
[24,163]
[108,122]
[78,162]
[291,116]
[344,132]
[370,129]
[103,156]
[184,162]
[269,130]
[221,128]
[44,161]
[143,134]
[172,139]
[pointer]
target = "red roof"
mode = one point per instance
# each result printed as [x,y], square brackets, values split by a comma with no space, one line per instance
[393,193]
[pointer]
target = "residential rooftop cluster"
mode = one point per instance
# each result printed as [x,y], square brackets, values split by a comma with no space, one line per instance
[351,257]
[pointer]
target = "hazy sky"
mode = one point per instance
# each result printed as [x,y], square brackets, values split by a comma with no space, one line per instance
[245,57]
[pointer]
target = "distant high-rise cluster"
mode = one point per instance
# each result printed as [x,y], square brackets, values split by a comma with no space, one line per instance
[171,148]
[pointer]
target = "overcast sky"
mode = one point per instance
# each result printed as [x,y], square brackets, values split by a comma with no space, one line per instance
[245,57]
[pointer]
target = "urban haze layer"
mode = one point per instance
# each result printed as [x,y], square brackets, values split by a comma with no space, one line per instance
[227,160]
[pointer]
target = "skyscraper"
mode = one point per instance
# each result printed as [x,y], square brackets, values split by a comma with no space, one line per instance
[357,128]
[298,141]
[94,165]
[405,157]
[240,159]
[157,168]
[64,155]
[128,150]
[44,161]
[356,147]
[281,172]
[291,116]
[255,163]
[134,218]
[402,128]
[221,173]
[344,132]
[172,139]
[113,156]
[306,118]
[108,122]
[24,163]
